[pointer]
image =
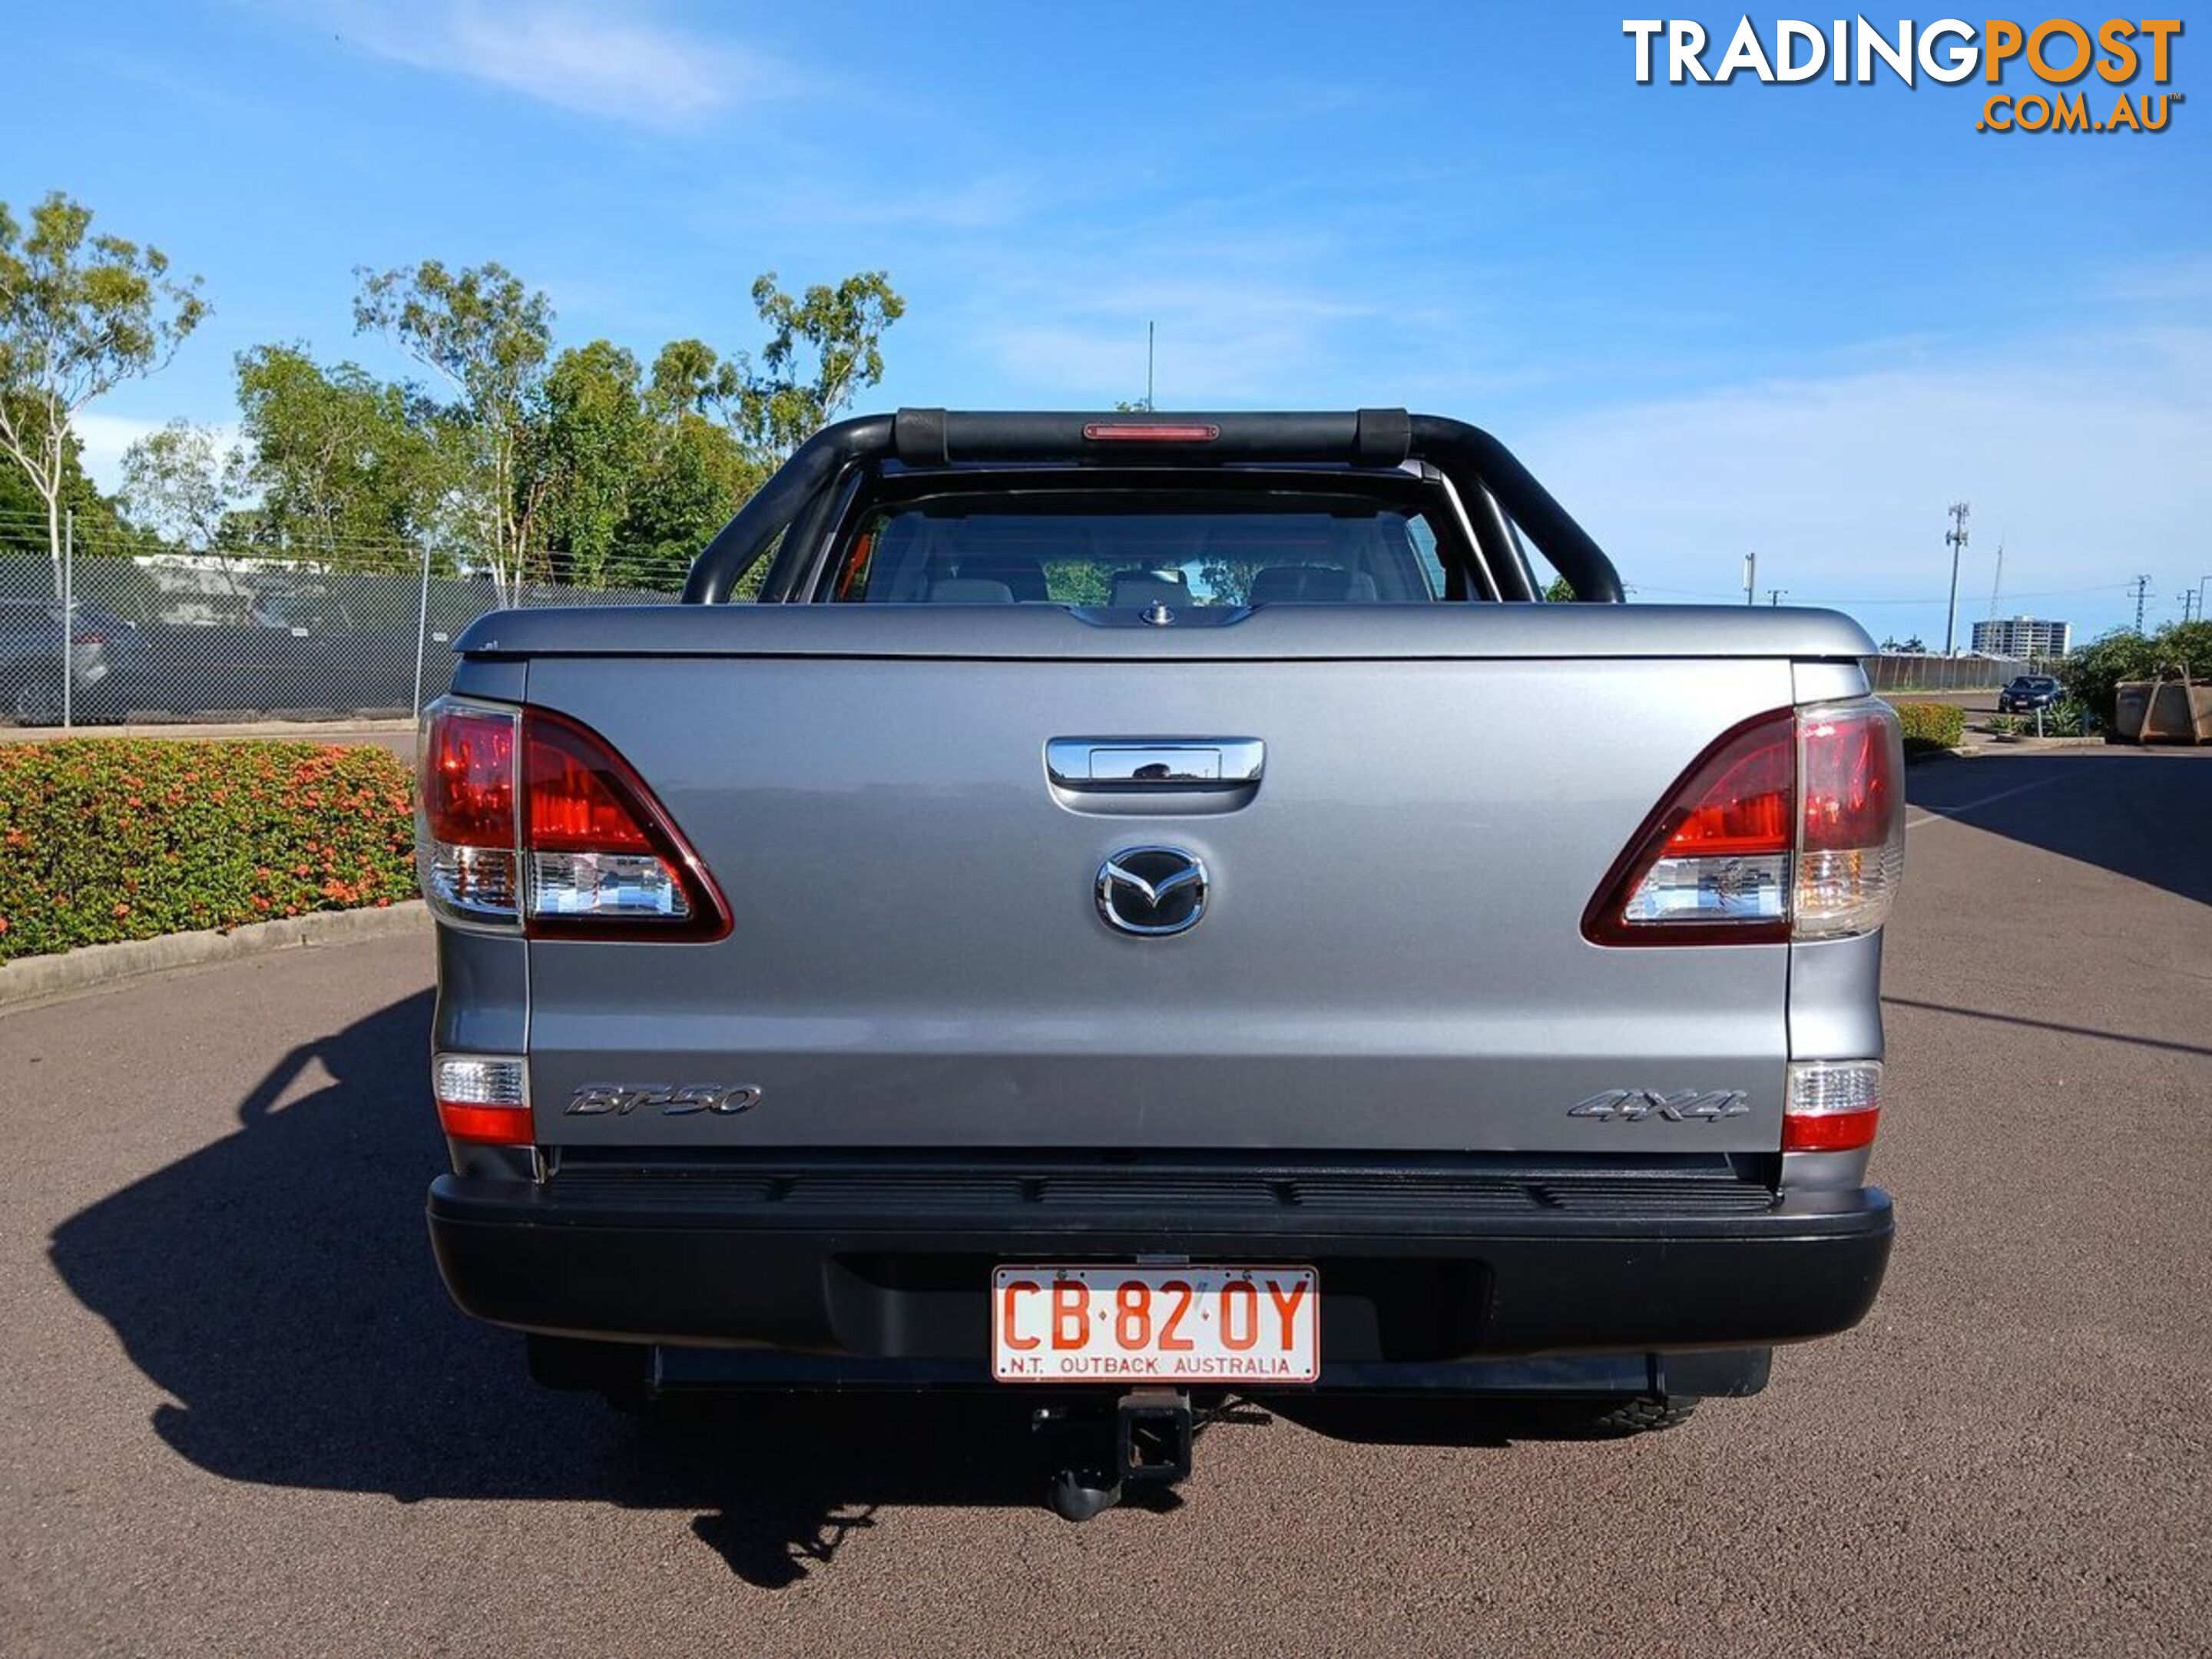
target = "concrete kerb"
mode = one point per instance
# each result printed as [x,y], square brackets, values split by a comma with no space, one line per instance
[41,978]
[2027,743]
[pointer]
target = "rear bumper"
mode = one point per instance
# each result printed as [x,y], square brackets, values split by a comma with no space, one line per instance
[1421,1269]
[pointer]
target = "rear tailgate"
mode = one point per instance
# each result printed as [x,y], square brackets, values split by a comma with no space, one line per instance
[1392,955]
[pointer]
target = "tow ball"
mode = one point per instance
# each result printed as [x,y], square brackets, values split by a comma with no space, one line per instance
[1151,1430]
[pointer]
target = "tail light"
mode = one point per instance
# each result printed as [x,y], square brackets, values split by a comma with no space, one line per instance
[88,636]
[484,1098]
[1789,826]
[530,818]
[1832,1106]
[470,864]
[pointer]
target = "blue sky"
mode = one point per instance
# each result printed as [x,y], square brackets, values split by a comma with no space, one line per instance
[1794,319]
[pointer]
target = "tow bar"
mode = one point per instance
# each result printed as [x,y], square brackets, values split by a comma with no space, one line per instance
[1152,1434]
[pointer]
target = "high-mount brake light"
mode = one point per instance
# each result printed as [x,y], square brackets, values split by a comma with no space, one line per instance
[530,818]
[1149,431]
[1791,825]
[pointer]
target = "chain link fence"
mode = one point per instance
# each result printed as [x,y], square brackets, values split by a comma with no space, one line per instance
[153,636]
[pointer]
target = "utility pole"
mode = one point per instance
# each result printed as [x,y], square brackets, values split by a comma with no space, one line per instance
[1996,582]
[422,630]
[2143,590]
[1774,595]
[1750,578]
[1955,538]
[1149,328]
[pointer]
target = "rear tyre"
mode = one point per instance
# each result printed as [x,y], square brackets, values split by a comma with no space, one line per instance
[1639,1414]
[37,701]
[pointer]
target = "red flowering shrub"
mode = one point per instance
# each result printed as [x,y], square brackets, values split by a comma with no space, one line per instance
[115,838]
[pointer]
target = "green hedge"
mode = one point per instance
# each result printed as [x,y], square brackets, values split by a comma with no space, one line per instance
[2093,673]
[1930,728]
[117,838]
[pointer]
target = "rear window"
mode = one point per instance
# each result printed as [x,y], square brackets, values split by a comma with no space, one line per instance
[1130,550]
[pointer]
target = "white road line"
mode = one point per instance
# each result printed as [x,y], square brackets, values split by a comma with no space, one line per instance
[1975,805]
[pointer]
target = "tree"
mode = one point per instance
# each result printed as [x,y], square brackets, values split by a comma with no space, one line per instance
[487,337]
[691,374]
[21,507]
[696,475]
[2093,673]
[182,484]
[1559,591]
[594,437]
[826,346]
[79,315]
[352,470]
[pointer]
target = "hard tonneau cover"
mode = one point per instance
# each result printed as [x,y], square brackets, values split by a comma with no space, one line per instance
[1287,633]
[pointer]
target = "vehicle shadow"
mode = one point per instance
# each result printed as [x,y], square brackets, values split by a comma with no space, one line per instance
[2137,812]
[277,1285]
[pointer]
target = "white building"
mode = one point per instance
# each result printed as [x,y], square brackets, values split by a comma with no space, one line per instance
[2022,637]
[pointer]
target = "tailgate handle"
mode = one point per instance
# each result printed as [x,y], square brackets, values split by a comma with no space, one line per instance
[1152,764]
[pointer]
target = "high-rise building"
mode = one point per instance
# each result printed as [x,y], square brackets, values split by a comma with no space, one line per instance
[2022,637]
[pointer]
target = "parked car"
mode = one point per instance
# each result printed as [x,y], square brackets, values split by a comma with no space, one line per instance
[1149,906]
[2028,692]
[106,659]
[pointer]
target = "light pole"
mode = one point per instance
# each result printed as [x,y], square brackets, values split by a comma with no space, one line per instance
[1955,538]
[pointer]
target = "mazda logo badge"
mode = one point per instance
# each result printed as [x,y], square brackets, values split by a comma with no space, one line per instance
[1151,891]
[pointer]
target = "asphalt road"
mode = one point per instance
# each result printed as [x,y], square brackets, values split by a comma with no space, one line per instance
[240,1417]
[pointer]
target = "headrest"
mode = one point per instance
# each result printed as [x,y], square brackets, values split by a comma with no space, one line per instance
[1311,584]
[1023,575]
[969,590]
[1139,589]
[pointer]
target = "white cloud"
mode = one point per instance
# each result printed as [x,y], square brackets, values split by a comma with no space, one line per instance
[1234,324]
[102,438]
[802,202]
[1228,347]
[2085,458]
[609,60]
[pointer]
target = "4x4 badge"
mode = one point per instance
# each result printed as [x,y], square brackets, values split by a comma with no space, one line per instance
[1676,1106]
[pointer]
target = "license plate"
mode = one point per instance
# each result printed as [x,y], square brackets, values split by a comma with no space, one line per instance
[1155,1324]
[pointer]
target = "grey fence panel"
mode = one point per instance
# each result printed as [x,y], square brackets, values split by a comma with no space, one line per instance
[157,637]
